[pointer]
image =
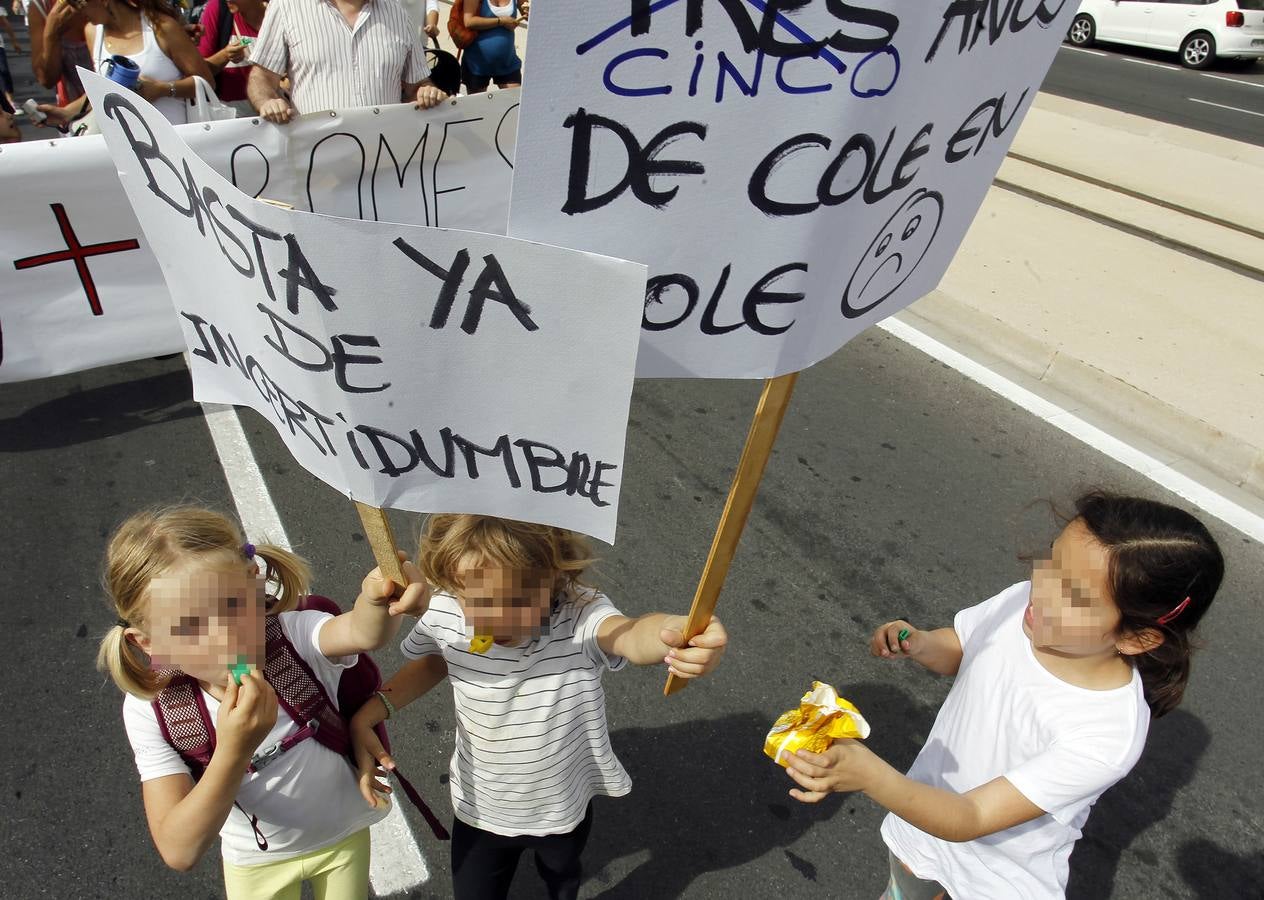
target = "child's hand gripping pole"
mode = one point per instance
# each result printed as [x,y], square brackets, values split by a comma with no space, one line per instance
[382,540]
[750,469]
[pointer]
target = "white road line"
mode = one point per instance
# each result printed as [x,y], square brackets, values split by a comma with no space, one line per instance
[1082,50]
[1232,514]
[1258,84]
[397,865]
[1146,62]
[1249,112]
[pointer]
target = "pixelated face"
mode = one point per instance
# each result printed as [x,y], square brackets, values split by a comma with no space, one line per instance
[894,253]
[510,604]
[202,620]
[1071,610]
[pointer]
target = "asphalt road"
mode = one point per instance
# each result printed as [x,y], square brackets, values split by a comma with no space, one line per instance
[899,488]
[1227,100]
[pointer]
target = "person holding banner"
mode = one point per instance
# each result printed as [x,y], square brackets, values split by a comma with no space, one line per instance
[524,643]
[338,54]
[192,618]
[1056,680]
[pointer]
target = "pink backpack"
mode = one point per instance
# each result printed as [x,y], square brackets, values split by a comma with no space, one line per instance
[186,723]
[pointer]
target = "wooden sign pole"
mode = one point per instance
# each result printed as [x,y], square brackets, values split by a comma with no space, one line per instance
[378,530]
[750,469]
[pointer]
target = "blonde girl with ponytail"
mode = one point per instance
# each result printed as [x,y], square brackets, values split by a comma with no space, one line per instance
[190,595]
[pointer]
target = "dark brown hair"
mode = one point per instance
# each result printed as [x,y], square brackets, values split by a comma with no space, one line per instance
[1159,555]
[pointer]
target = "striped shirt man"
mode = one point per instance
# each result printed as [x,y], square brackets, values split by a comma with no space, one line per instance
[333,64]
[532,745]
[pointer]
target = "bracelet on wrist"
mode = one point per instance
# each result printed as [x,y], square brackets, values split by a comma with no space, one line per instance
[386,704]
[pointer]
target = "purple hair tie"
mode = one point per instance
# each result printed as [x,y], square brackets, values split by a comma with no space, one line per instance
[248,550]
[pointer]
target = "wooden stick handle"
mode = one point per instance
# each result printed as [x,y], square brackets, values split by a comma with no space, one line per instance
[378,530]
[750,469]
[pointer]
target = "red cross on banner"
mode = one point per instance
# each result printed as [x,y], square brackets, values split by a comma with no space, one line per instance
[78,254]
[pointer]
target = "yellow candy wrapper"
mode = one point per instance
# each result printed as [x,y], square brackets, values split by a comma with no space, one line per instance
[481,643]
[822,718]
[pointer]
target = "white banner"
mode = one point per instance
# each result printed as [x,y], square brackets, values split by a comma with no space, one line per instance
[791,170]
[419,368]
[82,288]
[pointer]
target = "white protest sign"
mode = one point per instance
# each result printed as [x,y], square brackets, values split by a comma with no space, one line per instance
[411,367]
[790,170]
[83,288]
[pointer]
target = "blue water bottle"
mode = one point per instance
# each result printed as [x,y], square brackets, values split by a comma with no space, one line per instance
[121,70]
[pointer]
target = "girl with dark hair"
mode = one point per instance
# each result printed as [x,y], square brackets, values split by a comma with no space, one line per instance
[1056,681]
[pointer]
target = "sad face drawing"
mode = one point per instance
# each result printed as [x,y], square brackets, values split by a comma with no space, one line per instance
[895,253]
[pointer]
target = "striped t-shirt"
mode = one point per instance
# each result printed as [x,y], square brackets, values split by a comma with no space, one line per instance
[532,746]
[333,65]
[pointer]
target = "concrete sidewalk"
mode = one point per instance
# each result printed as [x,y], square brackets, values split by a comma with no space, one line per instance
[1145,317]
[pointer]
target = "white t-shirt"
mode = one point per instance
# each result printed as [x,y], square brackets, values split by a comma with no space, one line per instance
[306,799]
[1061,746]
[532,745]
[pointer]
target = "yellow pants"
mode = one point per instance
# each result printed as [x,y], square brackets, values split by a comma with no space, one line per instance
[340,872]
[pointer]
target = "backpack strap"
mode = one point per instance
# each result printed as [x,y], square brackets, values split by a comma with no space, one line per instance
[185,722]
[301,694]
[427,813]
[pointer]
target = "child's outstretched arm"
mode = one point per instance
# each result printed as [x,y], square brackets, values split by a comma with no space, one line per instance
[184,817]
[373,762]
[849,765]
[374,620]
[659,637]
[938,650]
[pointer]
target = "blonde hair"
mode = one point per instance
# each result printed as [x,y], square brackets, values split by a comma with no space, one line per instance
[151,544]
[449,537]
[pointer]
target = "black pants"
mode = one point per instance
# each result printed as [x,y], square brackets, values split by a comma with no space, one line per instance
[483,863]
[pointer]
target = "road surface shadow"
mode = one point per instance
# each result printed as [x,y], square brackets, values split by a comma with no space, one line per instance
[731,804]
[1176,743]
[1212,872]
[103,411]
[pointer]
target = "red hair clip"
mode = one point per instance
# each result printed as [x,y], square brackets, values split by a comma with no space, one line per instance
[1169,616]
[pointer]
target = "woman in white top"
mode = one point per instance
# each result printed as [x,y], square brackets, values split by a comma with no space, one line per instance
[150,33]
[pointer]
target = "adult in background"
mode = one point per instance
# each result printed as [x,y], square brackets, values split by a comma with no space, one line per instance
[224,25]
[338,54]
[492,56]
[152,35]
[56,62]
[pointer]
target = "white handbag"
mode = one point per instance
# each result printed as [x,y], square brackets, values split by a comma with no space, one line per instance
[206,105]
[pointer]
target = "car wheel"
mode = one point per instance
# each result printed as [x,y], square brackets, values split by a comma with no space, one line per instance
[1081,31]
[1198,51]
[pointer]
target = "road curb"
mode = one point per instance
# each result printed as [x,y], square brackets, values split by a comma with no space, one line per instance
[1175,435]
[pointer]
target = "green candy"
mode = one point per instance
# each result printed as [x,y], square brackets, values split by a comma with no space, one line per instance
[240,668]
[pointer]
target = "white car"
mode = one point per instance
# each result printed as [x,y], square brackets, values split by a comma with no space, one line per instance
[1200,30]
